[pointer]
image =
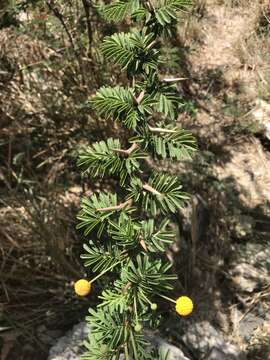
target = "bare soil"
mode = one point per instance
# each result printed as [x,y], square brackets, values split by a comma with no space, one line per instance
[234,176]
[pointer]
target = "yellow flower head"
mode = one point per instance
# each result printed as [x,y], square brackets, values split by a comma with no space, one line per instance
[184,306]
[82,287]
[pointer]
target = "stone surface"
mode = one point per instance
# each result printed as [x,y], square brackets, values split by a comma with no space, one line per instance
[247,277]
[69,347]
[174,352]
[249,324]
[255,254]
[219,354]
[205,342]
[201,339]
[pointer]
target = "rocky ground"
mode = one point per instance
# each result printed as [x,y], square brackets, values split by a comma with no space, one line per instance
[233,128]
[201,339]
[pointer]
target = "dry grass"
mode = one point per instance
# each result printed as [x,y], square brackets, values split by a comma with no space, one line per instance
[253,50]
[259,347]
[200,8]
[190,31]
[39,260]
[239,3]
[253,53]
[40,133]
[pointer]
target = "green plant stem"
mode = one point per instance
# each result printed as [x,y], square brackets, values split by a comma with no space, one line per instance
[167,298]
[151,189]
[126,352]
[161,130]
[135,310]
[146,299]
[116,207]
[104,272]
[134,346]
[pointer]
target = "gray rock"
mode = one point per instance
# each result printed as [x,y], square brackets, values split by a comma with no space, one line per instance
[222,354]
[247,277]
[69,347]
[255,254]
[205,342]
[249,324]
[174,352]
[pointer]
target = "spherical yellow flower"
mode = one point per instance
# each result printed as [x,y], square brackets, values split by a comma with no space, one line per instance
[184,306]
[82,287]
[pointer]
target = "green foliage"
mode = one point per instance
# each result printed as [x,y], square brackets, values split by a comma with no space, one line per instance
[105,157]
[138,280]
[167,101]
[165,96]
[90,217]
[178,143]
[101,258]
[132,51]
[162,193]
[118,10]
[118,103]
[131,234]
[157,239]
[147,277]
[128,239]
[166,12]
[113,329]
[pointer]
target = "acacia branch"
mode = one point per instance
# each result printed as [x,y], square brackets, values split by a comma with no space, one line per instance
[150,6]
[154,42]
[161,130]
[127,152]
[60,17]
[140,97]
[151,189]
[168,80]
[87,5]
[143,244]
[116,207]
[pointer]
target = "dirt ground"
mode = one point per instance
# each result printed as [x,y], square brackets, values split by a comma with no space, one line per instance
[223,29]
[233,169]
